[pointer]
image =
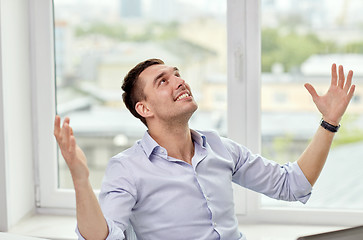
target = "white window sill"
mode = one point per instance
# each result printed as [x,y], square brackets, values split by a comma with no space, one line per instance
[10,236]
[62,227]
[47,226]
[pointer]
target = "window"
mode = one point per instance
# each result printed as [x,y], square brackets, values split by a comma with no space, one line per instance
[90,66]
[300,41]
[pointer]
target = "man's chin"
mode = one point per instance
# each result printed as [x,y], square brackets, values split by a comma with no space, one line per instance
[192,111]
[195,108]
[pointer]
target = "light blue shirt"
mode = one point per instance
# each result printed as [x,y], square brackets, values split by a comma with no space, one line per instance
[166,198]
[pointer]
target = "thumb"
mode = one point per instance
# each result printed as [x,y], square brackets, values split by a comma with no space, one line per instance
[311,90]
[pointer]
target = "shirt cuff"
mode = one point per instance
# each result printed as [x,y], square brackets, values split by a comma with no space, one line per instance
[300,185]
[114,232]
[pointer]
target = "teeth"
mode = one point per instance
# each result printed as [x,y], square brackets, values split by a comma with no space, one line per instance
[183,96]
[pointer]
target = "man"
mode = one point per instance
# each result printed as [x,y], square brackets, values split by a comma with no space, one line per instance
[175,183]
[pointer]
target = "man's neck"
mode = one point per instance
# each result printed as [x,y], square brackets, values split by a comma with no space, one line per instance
[177,140]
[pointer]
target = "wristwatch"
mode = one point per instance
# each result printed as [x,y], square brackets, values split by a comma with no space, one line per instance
[329,127]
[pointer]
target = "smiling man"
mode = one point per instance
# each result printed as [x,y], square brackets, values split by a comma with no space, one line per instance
[176,183]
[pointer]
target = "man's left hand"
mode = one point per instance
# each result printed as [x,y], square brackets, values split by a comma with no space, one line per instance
[333,104]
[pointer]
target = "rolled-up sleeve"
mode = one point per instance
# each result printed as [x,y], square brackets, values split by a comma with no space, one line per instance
[284,182]
[117,198]
[115,233]
[300,186]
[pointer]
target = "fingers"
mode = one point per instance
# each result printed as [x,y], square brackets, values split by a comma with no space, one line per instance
[66,133]
[341,77]
[351,92]
[72,145]
[341,80]
[312,91]
[349,81]
[334,76]
[56,126]
[66,121]
[63,134]
[68,129]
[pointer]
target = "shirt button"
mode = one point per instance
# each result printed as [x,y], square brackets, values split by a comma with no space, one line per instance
[214,224]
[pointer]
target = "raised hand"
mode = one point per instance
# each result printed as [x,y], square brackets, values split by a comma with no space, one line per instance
[333,104]
[90,220]
[72,153]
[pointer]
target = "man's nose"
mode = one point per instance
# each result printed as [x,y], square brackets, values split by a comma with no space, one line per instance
[179,82]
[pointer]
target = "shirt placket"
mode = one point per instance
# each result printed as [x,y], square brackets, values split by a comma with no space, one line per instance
[200,155]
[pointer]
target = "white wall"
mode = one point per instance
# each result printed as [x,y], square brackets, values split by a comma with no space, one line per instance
[15,114]
[3,210]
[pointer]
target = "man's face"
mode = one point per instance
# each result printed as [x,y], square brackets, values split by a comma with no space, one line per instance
[168,96]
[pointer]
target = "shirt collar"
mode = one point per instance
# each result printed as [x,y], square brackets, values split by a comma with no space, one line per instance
[149,144]
[198,138]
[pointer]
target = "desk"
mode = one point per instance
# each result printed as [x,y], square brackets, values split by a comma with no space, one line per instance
[10,236]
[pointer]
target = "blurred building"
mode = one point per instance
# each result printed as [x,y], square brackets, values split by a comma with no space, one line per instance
[131,8]
[64,37]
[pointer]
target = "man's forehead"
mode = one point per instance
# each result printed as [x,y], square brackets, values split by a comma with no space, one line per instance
[154,69]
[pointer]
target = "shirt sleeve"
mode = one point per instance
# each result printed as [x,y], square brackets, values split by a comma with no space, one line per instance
[115,233]
[286,182]
[117,198]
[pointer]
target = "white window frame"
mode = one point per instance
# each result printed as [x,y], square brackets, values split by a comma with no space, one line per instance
[43,97]
[244,112]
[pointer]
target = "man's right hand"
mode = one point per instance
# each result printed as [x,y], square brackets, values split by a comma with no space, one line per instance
[72,153]
[90,220]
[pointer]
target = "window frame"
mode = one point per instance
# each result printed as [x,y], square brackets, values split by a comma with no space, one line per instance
[43,77]
[244,113]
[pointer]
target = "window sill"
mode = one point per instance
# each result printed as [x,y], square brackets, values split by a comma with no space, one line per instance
[47,226]
[62,227]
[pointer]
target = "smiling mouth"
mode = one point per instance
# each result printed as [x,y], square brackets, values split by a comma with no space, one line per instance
[185,95]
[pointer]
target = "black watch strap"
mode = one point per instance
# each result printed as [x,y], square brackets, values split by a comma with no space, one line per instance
[329,127]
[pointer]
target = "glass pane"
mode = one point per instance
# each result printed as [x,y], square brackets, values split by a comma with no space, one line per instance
[300,41]
[97,42]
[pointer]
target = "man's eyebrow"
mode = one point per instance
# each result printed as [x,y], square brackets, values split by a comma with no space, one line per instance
[162,74]
[158,76]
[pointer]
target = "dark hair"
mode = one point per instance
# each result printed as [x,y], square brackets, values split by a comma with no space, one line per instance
[133,92]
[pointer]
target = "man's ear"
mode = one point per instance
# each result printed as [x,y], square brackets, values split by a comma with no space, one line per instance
[142,109]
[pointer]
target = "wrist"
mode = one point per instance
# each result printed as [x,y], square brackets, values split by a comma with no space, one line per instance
[80,174]
[80,183]
[331,127]
[334,122]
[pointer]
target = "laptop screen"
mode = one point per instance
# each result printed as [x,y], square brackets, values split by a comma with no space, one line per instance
[355,233]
